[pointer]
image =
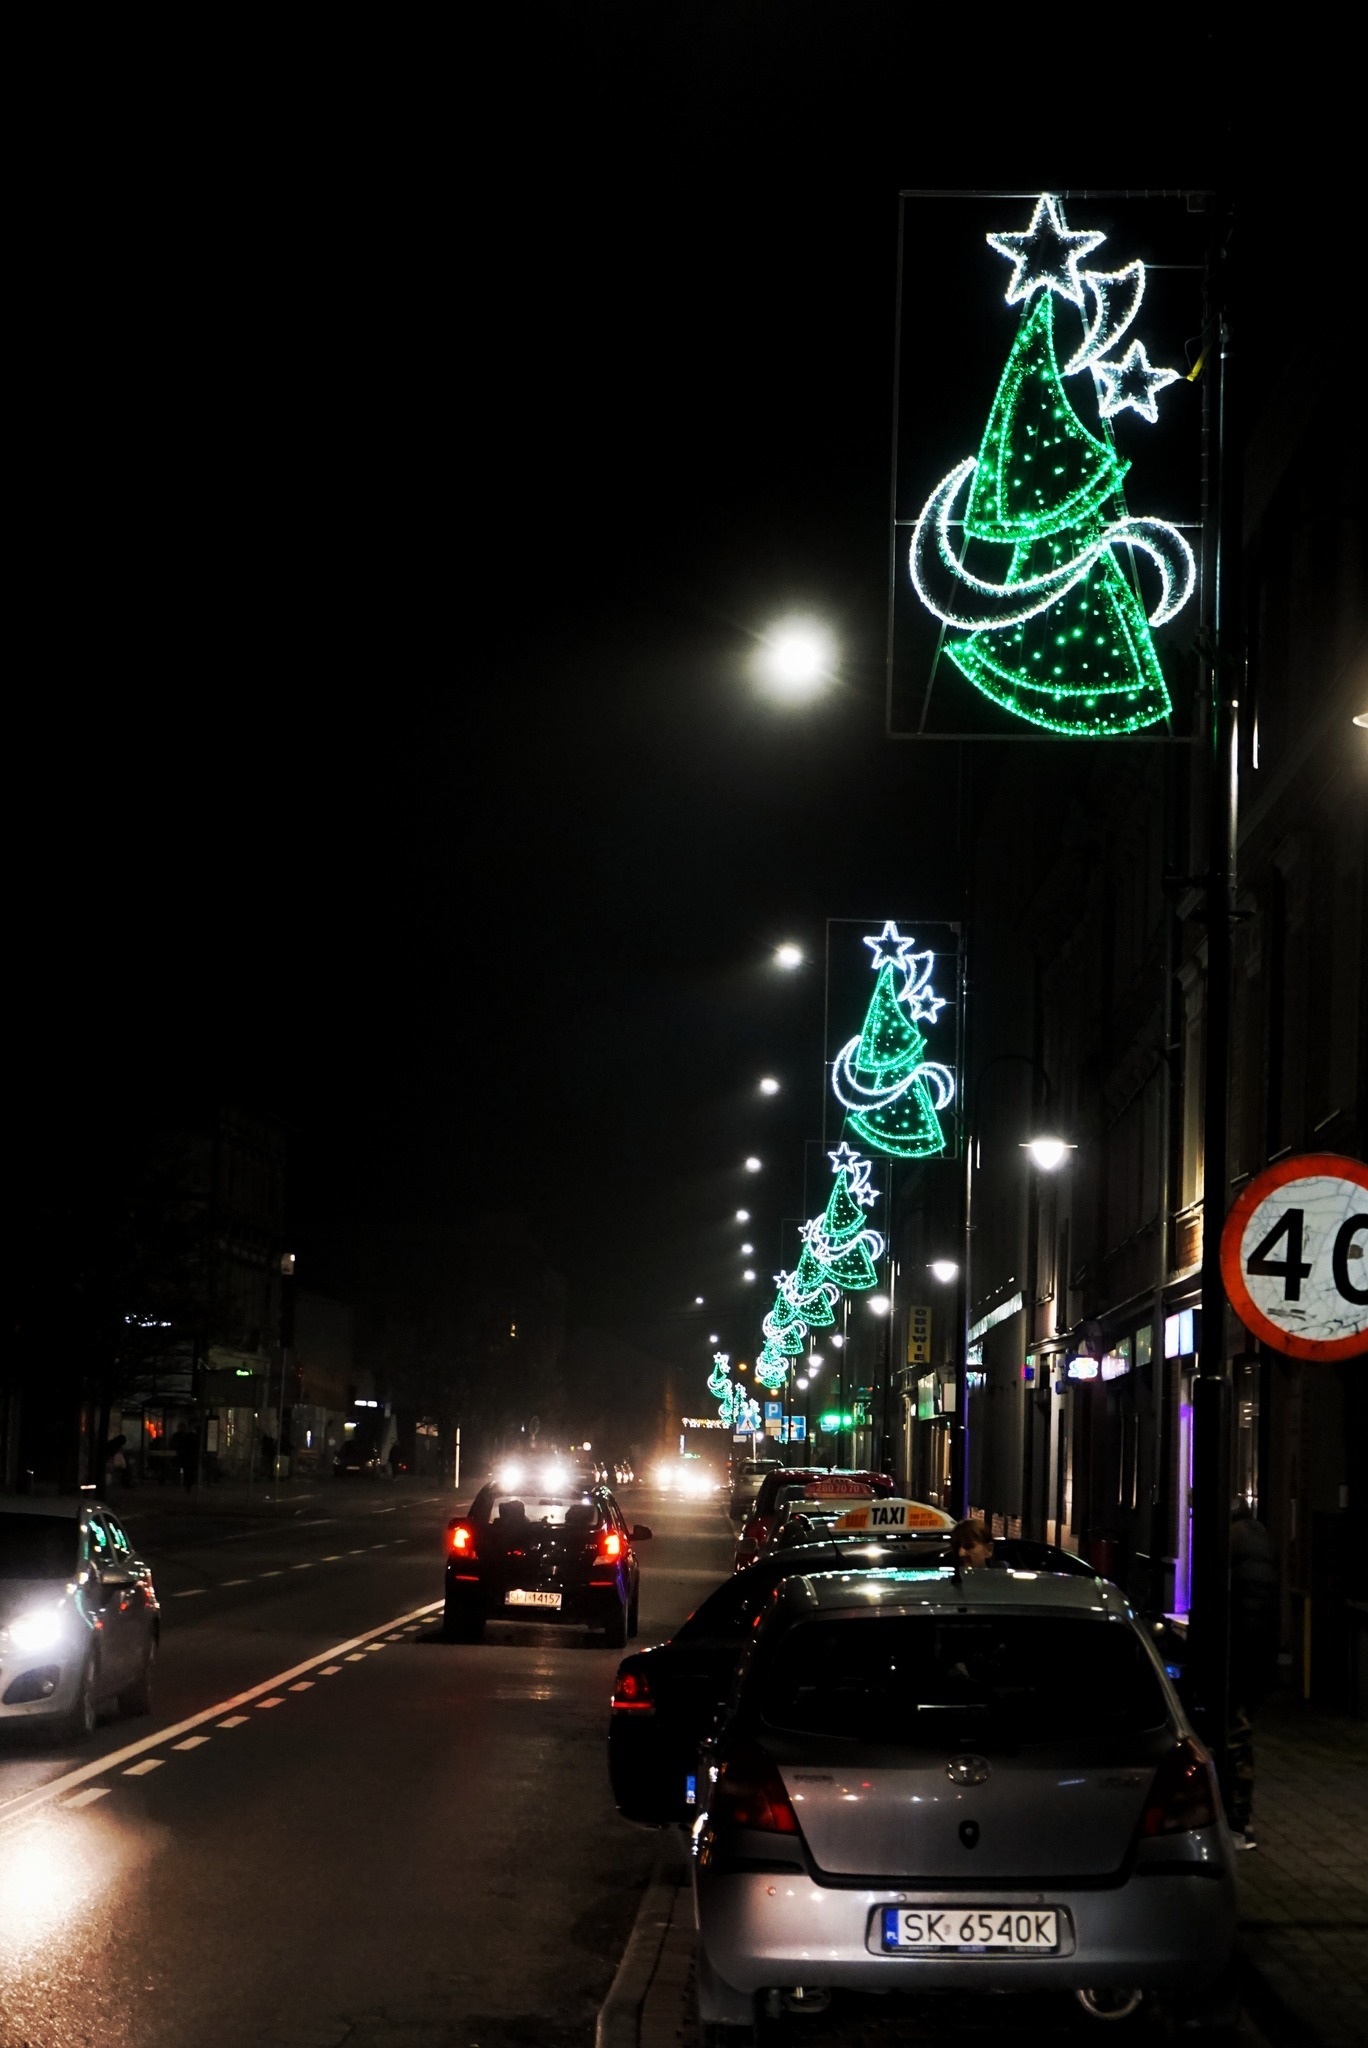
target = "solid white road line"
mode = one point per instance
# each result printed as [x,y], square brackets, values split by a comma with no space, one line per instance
[24,1802]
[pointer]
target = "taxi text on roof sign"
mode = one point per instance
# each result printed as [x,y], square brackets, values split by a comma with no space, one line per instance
[894,1514]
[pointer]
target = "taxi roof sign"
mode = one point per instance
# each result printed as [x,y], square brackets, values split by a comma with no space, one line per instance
[882,1515]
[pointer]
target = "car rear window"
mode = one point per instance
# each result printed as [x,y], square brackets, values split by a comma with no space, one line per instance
[917,1679]
[37,1547]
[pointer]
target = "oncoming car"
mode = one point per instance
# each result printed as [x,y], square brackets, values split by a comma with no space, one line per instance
[929,1781]
[79,1617]
[560,1557]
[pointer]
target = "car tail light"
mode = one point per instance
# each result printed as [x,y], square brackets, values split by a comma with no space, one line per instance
[610,1546]
[749,1793]
[462,1540]
[632,1694]
[1183,1795]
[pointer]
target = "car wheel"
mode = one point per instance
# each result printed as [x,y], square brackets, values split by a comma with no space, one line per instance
[615,1633]
[79,1722]
[137,1698]
[460,1625]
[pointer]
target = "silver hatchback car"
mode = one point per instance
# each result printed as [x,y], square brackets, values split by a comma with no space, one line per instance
[79,1617]
[930,1782]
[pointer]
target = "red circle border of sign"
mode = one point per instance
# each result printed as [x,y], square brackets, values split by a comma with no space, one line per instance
[1337,1165]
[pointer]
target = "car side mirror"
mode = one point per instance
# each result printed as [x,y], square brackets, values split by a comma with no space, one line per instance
[640,1533]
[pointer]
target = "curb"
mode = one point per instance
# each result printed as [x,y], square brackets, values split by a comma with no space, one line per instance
[648,1961]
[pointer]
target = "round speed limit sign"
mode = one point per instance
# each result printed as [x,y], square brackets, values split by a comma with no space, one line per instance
[1294,1256]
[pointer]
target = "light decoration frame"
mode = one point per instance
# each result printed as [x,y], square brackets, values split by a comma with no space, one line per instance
[1099,674]
[896,1110]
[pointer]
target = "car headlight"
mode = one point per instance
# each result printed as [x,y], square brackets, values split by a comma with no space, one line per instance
[40,1629]
[511,1476]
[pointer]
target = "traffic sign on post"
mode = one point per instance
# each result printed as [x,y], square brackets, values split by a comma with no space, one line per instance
[1294,1256]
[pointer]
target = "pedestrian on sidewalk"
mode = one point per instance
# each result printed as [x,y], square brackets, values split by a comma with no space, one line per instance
[1253,1657]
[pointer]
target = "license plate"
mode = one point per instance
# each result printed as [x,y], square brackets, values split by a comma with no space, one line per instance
[519,1598]
[965,1930]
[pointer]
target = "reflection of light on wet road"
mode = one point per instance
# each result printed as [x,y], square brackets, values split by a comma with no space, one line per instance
[51,1874]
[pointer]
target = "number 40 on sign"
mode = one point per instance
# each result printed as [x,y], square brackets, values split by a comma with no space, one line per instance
[1294,1256]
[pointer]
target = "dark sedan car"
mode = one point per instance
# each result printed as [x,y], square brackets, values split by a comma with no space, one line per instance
[561,1557]
[665,1699]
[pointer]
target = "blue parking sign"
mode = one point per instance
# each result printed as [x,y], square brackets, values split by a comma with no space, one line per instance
[773,1410]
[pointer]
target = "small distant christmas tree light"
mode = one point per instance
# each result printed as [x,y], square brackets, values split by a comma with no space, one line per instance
[1060,638]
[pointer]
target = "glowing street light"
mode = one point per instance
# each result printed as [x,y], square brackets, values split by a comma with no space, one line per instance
[752,1164]
[748,1274]
[796,659]
[788,956]
[746,1250]
[698,1301]
[879,1304]
[944,1270]
[769,1086]
[1048,1153]
[743,1215]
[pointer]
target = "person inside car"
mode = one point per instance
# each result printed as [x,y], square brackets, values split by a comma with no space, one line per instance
[971,1546]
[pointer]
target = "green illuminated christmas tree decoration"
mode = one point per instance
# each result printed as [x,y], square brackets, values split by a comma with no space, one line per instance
[809,1291]
[891,1092]
[771,1367]
[842,1244]
[1057,634]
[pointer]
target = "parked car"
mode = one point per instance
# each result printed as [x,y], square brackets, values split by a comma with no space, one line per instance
[839,1483]
[80,1620]
[558,1557]
[746,1481]
[666,1699]
[356,1459]
[972,1782]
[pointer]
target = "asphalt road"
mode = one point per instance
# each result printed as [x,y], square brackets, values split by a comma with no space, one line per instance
[365,1835]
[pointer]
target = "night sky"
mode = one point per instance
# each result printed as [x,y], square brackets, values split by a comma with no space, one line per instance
[454,429]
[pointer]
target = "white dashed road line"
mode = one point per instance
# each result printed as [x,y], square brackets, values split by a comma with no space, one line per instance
[302,1685]
[89,1796]
[330,1671]
[237,1582]
[70,1781]
[277,1700]
[190,1593]
[193,1741]
[273,1574]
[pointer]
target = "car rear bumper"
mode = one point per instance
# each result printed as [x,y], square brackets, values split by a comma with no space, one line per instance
[780,1928]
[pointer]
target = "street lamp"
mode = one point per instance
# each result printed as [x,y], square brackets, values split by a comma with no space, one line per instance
[796,659]
[769,1086]
[1048,1153]
[749,1273]
[698,1301]
[944,1270]
[788,956]
[746,1250]
[752,1164]
[743,1215]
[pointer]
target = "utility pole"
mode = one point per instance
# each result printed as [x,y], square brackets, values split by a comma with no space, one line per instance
[1222,662]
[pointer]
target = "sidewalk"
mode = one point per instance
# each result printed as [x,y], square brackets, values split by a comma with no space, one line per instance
[1304,1890]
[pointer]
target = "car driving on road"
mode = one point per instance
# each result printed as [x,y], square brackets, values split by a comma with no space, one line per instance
[566,1556]
[79,1616]
[932,1781]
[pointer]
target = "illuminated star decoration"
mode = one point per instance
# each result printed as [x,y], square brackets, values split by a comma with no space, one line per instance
[1048,253]
[889,946]
[844,1157]
[1131,382]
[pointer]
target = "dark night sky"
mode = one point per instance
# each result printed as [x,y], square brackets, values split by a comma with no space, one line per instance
[458,422]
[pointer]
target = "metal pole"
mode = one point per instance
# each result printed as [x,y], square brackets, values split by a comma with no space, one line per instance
[1210,1620]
